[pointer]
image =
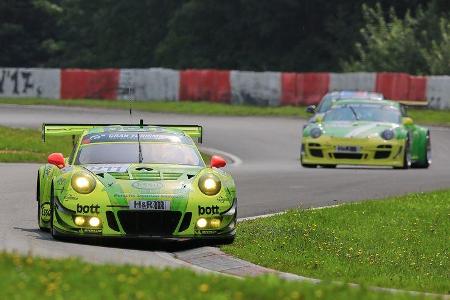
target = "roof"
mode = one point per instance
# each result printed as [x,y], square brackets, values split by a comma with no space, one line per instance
[356,94]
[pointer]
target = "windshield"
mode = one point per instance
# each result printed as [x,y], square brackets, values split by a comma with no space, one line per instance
[329,99]
[124,153]
[372,113]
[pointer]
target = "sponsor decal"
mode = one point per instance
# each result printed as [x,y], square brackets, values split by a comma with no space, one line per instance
[208,210]
[107,168]
[70,197]
[207,231]
[133,136]
[85,209]
[147,185]
[149,196]
[45,212]
[90,230]
[60,181]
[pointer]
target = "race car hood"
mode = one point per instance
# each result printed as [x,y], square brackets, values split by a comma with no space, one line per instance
[124,183]
[358,129]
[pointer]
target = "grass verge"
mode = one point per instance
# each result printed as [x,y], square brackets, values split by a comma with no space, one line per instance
[26,145]
[29,278]
[401,242]
[420,115]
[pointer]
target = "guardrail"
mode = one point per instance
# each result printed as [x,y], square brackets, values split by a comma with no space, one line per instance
[233,87]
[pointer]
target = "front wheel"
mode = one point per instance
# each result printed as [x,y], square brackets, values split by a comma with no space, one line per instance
[426,162]
[406,157]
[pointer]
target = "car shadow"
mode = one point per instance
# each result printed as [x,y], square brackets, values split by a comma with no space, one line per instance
[122,243]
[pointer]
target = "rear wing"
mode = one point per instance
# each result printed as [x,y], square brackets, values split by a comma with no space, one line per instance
[52,129]
[411,103]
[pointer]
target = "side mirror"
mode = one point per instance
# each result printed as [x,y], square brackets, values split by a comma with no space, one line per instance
[56,159]
[217,162]
[311,109]
[407,121]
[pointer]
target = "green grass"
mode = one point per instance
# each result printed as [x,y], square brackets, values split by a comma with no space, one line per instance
[401,242]
[32,278]
[420,115]
[182,107]
[26,145]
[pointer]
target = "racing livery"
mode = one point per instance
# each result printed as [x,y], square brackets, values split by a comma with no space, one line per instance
[138,181]
[365,132]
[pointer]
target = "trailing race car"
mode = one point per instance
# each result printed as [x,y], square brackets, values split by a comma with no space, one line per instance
[330,98]
[365,132]
[138,181]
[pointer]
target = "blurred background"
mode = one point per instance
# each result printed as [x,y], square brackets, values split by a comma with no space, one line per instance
[411,36]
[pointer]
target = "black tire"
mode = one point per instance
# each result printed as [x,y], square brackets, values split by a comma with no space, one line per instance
[406,157]
[328,166]
[52,213]
[427,161]
[38,194]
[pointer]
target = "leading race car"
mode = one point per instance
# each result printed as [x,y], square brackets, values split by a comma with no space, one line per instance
[137,181]
[365,132]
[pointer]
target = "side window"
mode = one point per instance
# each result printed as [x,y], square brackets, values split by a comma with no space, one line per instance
[325,104]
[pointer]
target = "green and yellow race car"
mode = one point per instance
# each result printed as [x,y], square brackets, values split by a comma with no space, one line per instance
[135,181]
[365,132]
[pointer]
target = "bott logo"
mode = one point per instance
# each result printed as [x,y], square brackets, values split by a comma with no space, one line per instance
[208,210]
[93,209]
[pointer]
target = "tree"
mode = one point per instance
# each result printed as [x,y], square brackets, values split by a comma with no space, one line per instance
[437,56]
[27,32]
[112,33]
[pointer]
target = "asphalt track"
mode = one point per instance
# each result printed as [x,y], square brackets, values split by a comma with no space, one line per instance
[269,179]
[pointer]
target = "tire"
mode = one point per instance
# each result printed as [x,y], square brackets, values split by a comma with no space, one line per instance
[406,157]
[38,194]
[427,161]
[52,213]
[328,166]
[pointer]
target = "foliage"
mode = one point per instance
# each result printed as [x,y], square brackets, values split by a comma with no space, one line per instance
[417,43]
[288,35]
[27,32]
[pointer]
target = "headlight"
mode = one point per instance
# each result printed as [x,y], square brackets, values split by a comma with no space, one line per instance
[83,183]
[388,134]
[315,132]
[209,184]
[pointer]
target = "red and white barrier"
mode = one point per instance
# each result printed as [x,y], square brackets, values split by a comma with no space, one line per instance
[256,88]
[30,83]
[235,87]
[304,88]
[148,84]
[438,92]
[358,81]
[89,84]
[201,85]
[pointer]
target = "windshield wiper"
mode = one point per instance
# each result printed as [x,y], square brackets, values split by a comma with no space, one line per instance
[141,158]
[354,113]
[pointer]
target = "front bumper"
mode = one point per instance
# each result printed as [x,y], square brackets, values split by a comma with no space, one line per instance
[121,222]
[370,152]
